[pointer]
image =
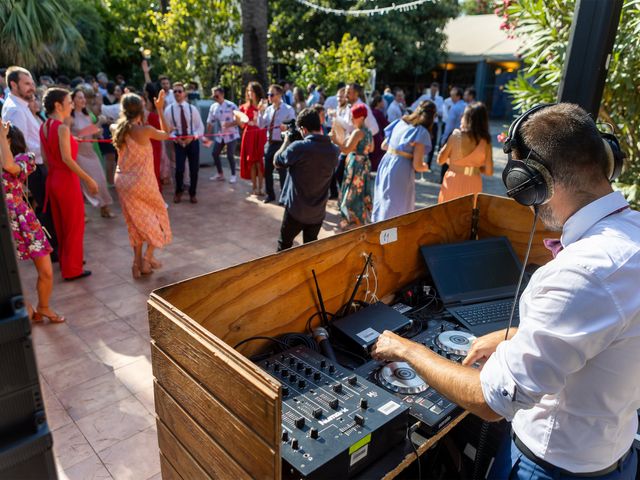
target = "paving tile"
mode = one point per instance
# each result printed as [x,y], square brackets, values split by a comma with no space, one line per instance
[115,422]
[146,397]
[134,458]
[58,349]
[139,321]
[57,416]
[70,446]
[136,376]
[119,354]
[88,397]
[74,371]
[115,292]
[136,302]
[91,468]
[106,332]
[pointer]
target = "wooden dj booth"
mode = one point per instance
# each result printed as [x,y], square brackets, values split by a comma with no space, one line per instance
[218,413]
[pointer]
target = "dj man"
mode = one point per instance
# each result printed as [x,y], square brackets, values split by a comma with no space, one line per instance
[567,378]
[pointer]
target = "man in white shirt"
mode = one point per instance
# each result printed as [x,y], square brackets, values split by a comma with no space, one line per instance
[185,122]
[432,95]
[221,114]
[331,105]
[273,117]
[16,111]
[567,377]
[354,96]
[165,84]
[397,107]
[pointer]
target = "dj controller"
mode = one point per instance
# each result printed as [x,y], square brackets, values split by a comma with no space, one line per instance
[336,421]
[426,405]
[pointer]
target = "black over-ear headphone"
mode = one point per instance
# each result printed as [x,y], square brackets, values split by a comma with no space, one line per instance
[529,181]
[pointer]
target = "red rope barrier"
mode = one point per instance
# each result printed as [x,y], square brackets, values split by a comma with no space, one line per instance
[178,137]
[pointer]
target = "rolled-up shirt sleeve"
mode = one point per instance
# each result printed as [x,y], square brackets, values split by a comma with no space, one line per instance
[567,316]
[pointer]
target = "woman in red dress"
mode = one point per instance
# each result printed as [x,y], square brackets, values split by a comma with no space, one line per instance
[253,140]
[153,119]
[63,191]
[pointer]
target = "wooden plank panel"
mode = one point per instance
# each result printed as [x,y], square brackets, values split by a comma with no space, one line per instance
[276,294]
[177,458]
[167,470]
[238,386]
[501,216]
[238,439]
[209,454]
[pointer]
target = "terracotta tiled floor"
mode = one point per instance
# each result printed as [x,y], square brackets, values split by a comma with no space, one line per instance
[95,369]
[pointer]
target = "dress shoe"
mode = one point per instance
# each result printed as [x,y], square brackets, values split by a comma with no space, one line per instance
[268,200]
[193,199]
[85,273]
[177,198]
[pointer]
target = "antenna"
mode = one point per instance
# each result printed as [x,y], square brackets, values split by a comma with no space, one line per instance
[322,309]
[347,305]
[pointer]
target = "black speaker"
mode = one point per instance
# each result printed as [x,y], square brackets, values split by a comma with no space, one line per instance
[25,439]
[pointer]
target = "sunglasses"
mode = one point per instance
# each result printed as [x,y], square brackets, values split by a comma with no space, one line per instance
[271,94]
[178,91]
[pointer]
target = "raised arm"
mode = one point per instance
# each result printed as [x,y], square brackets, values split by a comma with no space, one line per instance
[351,143]
[165,129]
[6,157]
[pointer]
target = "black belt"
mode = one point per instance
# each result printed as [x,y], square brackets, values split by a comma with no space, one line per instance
[275,142]
[548,466]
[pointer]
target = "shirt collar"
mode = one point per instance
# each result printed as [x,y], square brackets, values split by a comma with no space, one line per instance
[19,101]
[585,218]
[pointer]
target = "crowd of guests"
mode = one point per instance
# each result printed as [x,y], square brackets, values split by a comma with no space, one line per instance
[65,142]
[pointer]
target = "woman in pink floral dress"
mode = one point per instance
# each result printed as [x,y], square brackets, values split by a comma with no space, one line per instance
[28,235]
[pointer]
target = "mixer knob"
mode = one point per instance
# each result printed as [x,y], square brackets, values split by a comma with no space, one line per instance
[317,413]
[352,380]
[285,390]
[292,361]
[307,371]
[337,388]
[317,375]
[323,363]
[285,373]
[299,422]
[334,403]
[293,378]
[442,327]
[276,367]
[332,368]
[302,383]
[364,404]
[313,433]
[359,419]
[300,366]
[285,436]
[267,364]
[294,443]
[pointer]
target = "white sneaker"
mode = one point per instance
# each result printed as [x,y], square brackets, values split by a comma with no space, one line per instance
[219,177]
[232,179]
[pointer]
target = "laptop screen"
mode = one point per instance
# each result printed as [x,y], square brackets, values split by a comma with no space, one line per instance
[473,271]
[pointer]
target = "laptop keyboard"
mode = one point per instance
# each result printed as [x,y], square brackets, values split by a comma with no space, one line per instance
[483,313]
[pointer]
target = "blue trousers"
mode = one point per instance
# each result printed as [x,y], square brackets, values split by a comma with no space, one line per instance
[217,150]
[511,464]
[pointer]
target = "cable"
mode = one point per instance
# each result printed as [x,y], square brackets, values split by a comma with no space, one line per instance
[410,430]
[260,337]
[310,319]
[295,339]
[481,452]
[524,267]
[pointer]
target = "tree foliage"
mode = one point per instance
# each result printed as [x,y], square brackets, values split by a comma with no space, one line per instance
[404,43]
[38,34]
[185,40]
[88,16]
[477,7]
[544,28]
[231,78]
[348,61]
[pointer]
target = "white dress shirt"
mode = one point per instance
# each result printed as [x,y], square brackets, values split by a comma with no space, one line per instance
[370,122]
[568,379]
[220,113]
[395,111]
[437,99]
[194,126]
[331,103]
[16,111]
[169,98]
[283,114]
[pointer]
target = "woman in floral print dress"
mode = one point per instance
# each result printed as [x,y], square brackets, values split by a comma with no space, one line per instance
[28,235]
[355,198]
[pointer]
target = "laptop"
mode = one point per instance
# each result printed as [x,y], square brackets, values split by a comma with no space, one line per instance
[476,281]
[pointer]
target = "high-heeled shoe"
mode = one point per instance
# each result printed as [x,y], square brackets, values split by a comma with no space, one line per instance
[153,262]
[38,317]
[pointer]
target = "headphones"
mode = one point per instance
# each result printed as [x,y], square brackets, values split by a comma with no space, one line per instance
[528,181]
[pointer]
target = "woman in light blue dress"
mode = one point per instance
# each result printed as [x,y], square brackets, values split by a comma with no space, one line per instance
[407,142]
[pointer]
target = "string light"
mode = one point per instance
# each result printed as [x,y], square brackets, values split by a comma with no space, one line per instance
[369,12]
